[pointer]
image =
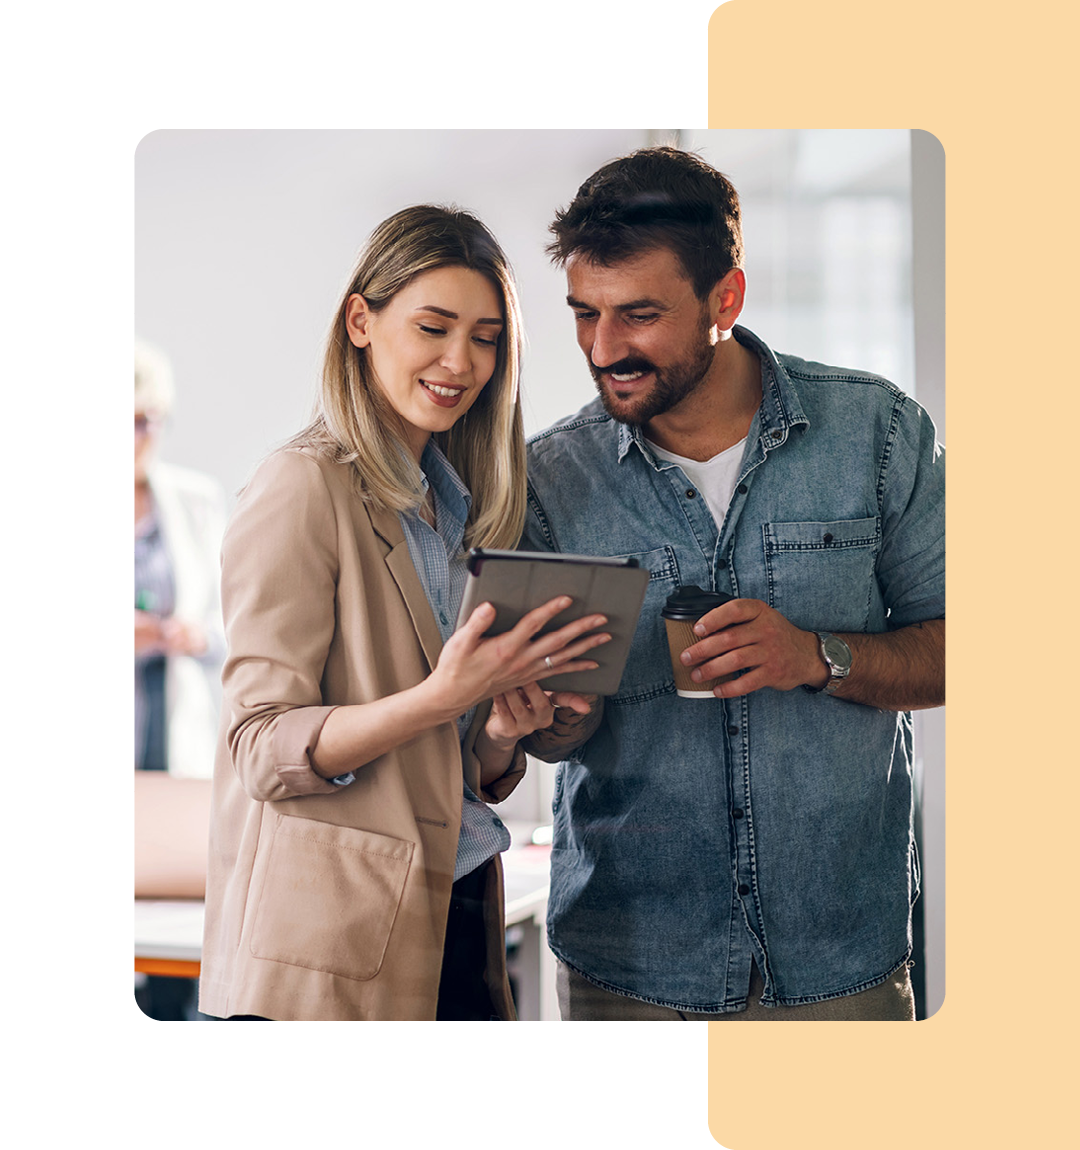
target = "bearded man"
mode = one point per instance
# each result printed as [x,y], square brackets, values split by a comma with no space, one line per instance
[749,855]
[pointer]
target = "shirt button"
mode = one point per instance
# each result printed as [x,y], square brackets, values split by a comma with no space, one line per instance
[721,564]
[737,813]
[742,489]
[691,493]
[827,537]
[443,619]
[776,434]
[497,822]
[733,730]
[743,888]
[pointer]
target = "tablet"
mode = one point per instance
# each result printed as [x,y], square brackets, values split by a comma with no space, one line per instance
[515,582]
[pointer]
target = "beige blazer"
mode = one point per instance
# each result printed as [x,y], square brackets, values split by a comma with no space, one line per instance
[327,902]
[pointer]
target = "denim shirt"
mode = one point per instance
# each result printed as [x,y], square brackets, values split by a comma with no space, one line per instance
[695,836]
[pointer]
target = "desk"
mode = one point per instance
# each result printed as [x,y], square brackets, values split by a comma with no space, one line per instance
[525,875]
[168,934]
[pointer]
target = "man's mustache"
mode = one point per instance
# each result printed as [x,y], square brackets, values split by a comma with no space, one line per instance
[625,366]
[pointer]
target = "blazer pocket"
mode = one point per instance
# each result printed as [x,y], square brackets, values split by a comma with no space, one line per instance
[328,896]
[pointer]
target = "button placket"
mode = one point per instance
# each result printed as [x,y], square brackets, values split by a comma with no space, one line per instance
[735,727]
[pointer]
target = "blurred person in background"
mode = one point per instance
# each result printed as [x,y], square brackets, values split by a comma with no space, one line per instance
[179,639]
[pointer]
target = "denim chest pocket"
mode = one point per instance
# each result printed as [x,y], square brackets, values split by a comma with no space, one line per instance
[648,669]
[821,575]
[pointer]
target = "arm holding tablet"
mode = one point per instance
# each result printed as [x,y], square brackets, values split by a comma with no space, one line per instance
[473,666]
[515,582]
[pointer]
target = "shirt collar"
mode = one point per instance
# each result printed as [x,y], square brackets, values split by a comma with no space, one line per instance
[438,473]
[779,412]
[780,409]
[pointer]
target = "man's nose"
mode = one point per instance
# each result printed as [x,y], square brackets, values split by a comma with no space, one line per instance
[608,344]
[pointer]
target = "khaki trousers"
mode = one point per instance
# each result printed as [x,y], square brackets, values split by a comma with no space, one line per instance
[892,1001]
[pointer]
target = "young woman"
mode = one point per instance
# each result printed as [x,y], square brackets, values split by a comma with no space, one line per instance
[354,866]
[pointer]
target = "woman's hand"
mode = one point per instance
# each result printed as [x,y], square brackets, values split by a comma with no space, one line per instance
[472,668]
[157,636]
[182,637]
[148,638]
[516,714]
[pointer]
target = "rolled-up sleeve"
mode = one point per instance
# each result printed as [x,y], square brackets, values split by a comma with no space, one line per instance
[911,563]
[279,579]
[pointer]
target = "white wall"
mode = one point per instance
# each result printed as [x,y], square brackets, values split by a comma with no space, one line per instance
[244,241]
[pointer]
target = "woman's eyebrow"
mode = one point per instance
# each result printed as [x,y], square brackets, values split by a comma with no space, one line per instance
[454,315]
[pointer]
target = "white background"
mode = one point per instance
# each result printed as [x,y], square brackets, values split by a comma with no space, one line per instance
[82,85]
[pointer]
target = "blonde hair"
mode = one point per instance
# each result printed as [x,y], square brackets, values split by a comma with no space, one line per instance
[355,424]
[154,389]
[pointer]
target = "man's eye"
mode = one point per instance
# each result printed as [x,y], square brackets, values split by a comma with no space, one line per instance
[642,317]
[584,316]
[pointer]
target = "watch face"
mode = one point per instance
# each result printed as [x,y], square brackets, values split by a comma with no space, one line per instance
[837,652]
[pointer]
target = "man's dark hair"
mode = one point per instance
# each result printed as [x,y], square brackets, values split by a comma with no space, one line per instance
[655,198]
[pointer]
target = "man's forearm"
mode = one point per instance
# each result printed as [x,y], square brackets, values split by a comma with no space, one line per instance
[568,731]
[898,670]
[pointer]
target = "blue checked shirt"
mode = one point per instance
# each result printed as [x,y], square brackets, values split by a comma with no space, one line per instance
[439,559]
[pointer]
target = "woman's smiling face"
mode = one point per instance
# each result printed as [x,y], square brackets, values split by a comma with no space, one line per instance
[432,348]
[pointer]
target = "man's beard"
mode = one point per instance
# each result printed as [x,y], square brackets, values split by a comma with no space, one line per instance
[670,386]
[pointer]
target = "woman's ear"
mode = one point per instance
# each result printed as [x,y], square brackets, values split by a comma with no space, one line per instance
[357,320]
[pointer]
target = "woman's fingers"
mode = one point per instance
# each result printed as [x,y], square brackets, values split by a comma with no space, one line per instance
[535,620]
[564,636]
[538,702]
[559,649]
[571,700]
[530,708]
[521,655]
[478,622]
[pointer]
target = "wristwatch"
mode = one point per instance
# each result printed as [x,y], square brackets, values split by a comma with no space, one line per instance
[837,656]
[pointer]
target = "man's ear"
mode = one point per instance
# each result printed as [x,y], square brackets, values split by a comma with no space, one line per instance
[726,299]
[357,320]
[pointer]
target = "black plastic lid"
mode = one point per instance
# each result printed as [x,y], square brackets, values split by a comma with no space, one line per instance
[692,602]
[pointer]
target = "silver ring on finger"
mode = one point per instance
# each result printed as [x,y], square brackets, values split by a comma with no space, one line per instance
[550,665]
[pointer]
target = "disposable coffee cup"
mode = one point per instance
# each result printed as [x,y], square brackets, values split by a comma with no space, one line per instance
[681,611]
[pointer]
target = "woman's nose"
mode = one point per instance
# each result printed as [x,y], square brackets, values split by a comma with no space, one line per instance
[456,357]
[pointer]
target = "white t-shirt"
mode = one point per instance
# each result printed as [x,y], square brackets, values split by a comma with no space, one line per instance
[715,479]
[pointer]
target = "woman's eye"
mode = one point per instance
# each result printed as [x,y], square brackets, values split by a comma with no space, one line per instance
[432,330]
[486,342]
